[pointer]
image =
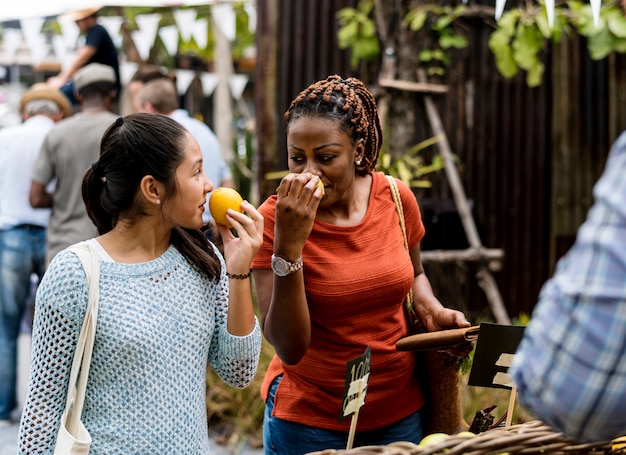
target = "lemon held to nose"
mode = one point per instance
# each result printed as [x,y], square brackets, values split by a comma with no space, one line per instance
[321,185]
[221,200]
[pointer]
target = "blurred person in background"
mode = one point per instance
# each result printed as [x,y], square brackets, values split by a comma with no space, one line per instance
[22,228]
[97,48]
[143,75]
[68,150]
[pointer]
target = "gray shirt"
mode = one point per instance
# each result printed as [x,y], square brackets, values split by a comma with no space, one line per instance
[68,150]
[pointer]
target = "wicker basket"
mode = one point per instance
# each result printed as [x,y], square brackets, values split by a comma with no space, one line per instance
[529,438]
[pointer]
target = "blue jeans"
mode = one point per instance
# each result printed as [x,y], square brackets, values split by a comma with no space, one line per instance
[22,253]
[281,437]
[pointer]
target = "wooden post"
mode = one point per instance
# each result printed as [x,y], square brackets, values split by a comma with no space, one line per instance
[222,99]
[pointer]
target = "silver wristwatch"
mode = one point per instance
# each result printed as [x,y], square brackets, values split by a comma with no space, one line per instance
[282,267]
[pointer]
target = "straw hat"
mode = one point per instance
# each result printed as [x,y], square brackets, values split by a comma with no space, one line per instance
[81,14]
[43,91]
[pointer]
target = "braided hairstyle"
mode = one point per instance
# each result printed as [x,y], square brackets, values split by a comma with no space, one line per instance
[133,147]
[351,105]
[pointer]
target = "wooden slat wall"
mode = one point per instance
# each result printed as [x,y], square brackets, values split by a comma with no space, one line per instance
[528,157]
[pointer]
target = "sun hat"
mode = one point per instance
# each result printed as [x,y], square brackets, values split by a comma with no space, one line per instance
[44,91]
[92,73]
[81,14]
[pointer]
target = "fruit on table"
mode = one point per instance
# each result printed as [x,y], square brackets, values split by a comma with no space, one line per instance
[221,200]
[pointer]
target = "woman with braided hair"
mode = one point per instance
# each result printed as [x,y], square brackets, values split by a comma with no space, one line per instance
[331,277]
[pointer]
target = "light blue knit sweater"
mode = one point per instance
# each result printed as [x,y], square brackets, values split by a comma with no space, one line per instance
[160,324]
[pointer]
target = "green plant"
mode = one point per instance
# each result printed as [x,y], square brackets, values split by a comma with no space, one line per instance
[520,37]
[411,167]
[447,37]
[357,31]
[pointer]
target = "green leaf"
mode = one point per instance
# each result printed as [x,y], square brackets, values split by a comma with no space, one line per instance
[600,45]
[617,25]
[498,40]
[450,40]
[575,6]
[347,35]
[346,15]
[508,22]
[505,62]
[366,49]
[403,172]
[534,75]
[526,44]
[425,55]
[368,28]
[586,26]
[543,26]
[620,45]
[442,22]
[418,20]
[436,71]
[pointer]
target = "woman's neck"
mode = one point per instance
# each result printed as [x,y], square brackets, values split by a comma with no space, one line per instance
[135,243]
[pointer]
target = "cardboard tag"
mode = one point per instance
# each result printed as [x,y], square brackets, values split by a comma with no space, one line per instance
[355,389]
[495,351]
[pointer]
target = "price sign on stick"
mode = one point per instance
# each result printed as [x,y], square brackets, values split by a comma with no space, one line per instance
[495,350]
[355,389]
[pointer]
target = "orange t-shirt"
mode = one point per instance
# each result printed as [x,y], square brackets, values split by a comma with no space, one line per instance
[356,279]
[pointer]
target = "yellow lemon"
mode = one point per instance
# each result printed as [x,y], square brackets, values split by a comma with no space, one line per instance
[433,438]
[221,200]
[321,185]
[466,434]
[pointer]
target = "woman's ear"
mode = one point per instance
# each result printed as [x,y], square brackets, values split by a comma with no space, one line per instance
[359,151]
[151,189]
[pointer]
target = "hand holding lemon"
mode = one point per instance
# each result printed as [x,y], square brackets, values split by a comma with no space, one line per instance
[221,200]
[321,185]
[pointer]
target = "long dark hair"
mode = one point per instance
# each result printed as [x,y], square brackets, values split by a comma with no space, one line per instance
[133,147]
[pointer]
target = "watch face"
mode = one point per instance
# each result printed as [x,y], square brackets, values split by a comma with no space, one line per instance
[282,267]
[279,266]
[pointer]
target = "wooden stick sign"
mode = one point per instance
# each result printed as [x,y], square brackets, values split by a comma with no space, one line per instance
[355,389]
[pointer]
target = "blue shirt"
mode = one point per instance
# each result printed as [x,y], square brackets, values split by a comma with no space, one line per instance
[570,368]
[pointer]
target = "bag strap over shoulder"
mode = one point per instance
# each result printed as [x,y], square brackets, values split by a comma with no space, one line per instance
[408,301]
[84,348]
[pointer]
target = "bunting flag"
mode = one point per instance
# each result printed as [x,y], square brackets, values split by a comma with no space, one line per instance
[224,17]
[69,31]
[595,11]
[36,42]
[113,25]
[12,38]
[184,78]
[499,8]
[127,71]
[250,10]
[169,37]
[237,83]
[184,20]
[60,50]
[209,82]
[142,44]
[550,12]
[148,25]
[200,33]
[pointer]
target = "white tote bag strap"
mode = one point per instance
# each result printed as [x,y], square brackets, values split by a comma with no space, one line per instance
[84,348]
